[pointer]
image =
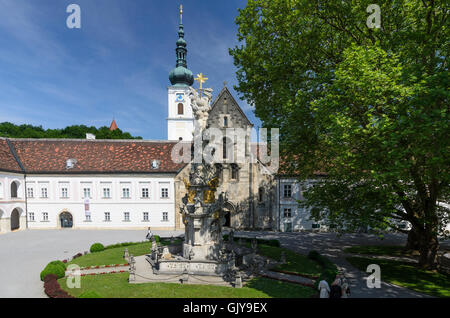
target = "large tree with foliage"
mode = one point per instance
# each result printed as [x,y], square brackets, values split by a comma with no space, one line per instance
[368,106]
[73,132]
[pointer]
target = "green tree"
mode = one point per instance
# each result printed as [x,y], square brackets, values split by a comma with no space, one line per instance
[72,132]
[368,106]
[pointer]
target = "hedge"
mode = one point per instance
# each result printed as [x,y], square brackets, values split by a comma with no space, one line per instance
[274,243]
[329,269]
[56,268]
[97,247]
[53,289]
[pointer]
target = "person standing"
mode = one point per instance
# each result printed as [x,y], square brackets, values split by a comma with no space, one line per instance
[336,289]
[149,235]
[324,289]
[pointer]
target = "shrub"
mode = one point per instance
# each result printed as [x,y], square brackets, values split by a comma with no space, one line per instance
[314,255]
[97,247]
[59,263]
[56,270]
[89,294]
[329,269]
[52,287]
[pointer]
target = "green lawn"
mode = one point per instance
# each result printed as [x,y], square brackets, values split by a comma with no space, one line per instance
[117,286]
[407,275]
[295,263]
[389,250]
[115,255]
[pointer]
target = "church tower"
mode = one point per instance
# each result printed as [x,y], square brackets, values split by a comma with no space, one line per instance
[180,121]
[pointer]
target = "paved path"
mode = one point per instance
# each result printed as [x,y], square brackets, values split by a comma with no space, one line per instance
[24,254]
[287,277]
[332,246]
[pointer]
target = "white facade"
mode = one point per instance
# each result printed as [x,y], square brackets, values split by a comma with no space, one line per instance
[12,202]
[101,201]
[180,121]
[291,217]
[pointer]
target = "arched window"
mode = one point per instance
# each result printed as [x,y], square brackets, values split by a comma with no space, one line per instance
[180,109]
[224,146]
[225,121]
[13,189]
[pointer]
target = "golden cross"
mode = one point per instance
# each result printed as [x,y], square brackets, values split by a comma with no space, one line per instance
[201,79]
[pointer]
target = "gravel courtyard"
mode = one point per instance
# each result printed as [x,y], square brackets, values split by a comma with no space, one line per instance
[24,254]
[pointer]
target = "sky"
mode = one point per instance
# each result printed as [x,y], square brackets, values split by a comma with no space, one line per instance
[116,66]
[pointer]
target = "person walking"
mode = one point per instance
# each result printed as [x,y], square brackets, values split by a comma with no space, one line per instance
[149,235]
[345,288]
[336,289]
[324,289]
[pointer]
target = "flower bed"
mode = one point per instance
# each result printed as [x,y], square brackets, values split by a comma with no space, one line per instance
[53,289]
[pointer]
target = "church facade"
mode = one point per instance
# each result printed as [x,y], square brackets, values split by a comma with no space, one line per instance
[134,184]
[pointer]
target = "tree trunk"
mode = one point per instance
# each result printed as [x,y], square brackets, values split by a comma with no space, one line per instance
[413,243]
[429,246]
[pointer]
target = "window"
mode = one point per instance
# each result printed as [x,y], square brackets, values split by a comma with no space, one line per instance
[86,193]
[145,216]
[64,193]
[180,109]
[261,194]
[106,193]
[287,213]
[14,190]
[234,172]
[45,216]
[126,193]
[165,216]
[145,193]
[225,121]
[30,192]
[31,216]
[1,190]
[164,193]
[287,191]
[316,226]
[88,218]
[224,146]
[44,193]
[107,217]
[126,216]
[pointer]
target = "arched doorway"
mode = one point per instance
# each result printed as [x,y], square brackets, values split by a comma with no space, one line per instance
[66,220]
[15,220]
[229,210]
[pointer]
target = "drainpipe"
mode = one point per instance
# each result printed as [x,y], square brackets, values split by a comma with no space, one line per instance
[279,204]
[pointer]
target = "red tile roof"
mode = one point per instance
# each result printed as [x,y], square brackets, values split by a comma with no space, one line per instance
[94,156]
[7,160]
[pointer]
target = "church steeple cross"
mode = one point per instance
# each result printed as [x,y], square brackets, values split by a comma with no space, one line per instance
[201,79]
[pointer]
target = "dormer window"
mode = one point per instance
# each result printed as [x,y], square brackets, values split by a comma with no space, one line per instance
[70,163]
[155,164]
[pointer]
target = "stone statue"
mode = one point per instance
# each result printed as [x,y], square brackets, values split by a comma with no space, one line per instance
[200,106]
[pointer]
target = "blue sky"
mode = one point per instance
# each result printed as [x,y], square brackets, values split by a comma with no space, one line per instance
[116,65]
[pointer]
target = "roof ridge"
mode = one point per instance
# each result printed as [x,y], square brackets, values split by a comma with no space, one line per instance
[14,153]
[91,140]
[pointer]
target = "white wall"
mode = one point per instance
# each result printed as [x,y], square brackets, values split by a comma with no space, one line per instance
[115,205]
[179,125]
[8,204]
[299,216]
